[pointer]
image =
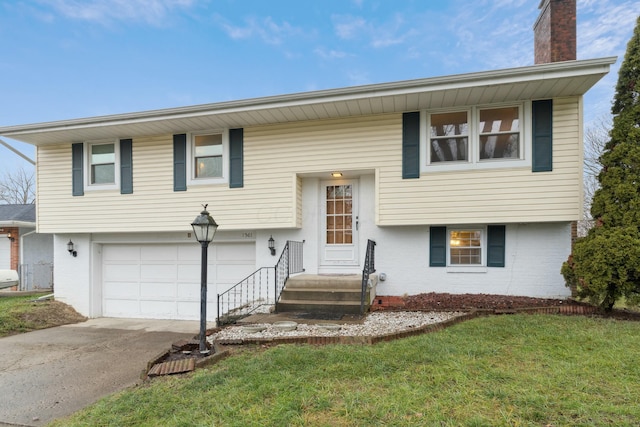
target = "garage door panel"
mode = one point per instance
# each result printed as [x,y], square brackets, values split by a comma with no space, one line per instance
[121,308]
[190,253]
[159,253]
[158,309]
[120,272]
[189,291]
[5,252]
[155,291]
[122,290]
[159,273]
[162,281]
[120,253]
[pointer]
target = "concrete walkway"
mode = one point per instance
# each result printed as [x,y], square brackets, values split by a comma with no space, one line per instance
[52,373]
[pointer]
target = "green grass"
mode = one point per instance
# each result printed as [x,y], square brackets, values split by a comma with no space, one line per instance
[13,315]
[521,370]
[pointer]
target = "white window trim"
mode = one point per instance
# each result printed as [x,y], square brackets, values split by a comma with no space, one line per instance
[468,268]
[474,141]
[87,166]
[191,172]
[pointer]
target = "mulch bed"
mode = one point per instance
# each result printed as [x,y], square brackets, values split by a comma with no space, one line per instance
[443,301]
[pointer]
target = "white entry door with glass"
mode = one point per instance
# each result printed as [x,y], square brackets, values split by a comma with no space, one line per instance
[340,223]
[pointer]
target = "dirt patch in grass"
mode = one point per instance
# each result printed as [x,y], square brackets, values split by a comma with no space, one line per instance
[51,313]
[23,314]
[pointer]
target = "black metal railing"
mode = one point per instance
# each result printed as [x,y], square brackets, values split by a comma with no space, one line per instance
[369,267]
[256,289]
[246,296]
[290,262]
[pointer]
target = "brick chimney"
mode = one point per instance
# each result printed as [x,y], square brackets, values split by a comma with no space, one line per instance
[555,31]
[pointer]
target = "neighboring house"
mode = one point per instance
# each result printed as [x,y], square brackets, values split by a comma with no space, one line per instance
[468,184]
[24,250]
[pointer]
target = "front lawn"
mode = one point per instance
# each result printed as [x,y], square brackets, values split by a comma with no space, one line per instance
[20,314]
[519,370]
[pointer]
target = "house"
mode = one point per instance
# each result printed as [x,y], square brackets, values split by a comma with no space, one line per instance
[22,249]
[467,183]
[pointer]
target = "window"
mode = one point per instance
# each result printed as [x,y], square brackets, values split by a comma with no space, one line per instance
[470,246]
[465,247]
[475,138]
[206,158]
[207,154]
[449,137]
[103,164]
[499,130]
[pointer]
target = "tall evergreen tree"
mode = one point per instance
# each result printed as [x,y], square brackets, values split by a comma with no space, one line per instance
[605,264]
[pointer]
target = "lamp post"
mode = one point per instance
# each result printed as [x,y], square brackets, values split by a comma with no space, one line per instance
[204,228]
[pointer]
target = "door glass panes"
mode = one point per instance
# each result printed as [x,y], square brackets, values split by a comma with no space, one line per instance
[103,163]
[465,247]
[339,214]
[499,133]
[449,137]
[208,156]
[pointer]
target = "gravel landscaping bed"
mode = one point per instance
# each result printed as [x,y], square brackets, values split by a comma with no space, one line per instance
[379,323]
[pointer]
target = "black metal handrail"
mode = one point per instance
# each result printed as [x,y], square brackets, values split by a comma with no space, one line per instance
[290,262]
[255,290]
[246,296]
[369,267]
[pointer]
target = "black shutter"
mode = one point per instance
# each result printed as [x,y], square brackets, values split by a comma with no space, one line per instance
[126,166]
[438,247]
[495,245]
[180,162]
[77,169]
[236,141]
[411,145]
[542,138]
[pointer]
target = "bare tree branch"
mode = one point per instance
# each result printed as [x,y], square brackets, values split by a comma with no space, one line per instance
[595,138]
[18,187]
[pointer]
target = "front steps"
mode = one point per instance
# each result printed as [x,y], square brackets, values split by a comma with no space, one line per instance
[335,294]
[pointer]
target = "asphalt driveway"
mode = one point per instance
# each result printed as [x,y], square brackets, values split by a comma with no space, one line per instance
[49,374]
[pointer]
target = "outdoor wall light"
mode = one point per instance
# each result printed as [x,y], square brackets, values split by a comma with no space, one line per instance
[336,174]
[10,236]
[272,246]
[71,250]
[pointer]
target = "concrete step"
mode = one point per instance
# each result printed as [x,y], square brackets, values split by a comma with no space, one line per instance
[344,307]
[350,281]
[319,294]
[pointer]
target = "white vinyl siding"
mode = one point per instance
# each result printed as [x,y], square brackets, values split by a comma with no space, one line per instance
[277,157]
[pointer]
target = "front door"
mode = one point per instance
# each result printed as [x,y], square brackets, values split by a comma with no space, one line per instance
[340,224]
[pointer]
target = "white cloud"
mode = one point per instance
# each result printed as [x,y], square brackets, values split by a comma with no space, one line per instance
[330,53]
[104,11]
[265,29]
[604,28]
[393,32]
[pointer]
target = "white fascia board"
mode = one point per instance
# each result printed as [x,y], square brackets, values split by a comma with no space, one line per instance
[554,70]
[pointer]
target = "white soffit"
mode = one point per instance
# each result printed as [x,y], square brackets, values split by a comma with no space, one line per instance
[560,79]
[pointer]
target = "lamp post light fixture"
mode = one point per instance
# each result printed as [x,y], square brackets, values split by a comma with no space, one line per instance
[204,228]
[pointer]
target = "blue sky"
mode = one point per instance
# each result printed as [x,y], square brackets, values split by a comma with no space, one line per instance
[65,59]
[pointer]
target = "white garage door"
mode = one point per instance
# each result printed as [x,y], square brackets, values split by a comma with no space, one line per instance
[5,252]
[163,281]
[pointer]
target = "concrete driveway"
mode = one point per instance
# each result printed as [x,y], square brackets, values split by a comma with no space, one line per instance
[49,374]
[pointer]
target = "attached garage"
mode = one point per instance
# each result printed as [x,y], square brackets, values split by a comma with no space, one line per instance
[162,281]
